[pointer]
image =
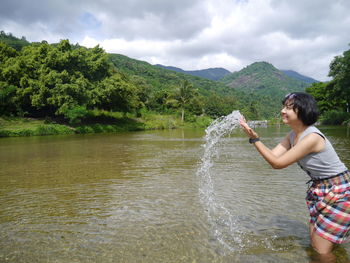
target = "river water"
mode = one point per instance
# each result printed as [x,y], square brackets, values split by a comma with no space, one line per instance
[134,197]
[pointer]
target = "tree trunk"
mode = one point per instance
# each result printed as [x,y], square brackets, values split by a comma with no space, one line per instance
[182,115]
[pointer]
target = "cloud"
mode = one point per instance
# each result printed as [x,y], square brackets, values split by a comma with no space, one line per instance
[153,19]
[300,35]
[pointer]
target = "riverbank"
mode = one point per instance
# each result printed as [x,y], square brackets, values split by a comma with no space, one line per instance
[17,127]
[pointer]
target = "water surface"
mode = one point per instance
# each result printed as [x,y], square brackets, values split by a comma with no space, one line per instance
[134,197]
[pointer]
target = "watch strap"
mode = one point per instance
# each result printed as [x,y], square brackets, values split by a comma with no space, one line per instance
[254,140]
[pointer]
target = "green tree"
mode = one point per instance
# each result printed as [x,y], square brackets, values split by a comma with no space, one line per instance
[6,52]
[7,93]
[335,94]
[158,100]
[340,71]
[253,109]
[216,106]
[116,93]
[182,97]
[56,79]
[323,93]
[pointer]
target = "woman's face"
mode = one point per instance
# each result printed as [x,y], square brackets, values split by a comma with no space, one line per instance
[287,113]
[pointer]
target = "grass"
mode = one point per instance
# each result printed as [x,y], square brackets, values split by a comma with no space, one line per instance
[97,122]
[154,121]
[15,126]
[16,123]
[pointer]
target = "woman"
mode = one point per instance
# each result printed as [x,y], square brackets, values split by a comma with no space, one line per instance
[328,198]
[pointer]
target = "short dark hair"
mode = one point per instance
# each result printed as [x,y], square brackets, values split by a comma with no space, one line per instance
[305,105]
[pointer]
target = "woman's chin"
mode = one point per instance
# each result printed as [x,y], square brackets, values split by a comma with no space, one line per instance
[285,121]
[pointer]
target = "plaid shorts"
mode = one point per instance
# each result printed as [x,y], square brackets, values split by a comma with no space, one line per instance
[329,205]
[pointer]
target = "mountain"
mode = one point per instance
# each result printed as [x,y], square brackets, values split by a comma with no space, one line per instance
[12,41]
[210,73]
[296,75]
[161,78]
[259,87]
[216,93]
[264,79]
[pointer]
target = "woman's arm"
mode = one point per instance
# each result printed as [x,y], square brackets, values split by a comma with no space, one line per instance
[309,144]
[283,155]
[282,147]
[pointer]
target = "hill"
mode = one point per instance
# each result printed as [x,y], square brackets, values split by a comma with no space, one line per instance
[298,76]
[267,83]
[12,41]
[215,98]
[160,77]
[217,94]
[264,79]
[210,73]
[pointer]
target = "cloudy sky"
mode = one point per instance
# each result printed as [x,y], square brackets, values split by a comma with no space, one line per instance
[302,35]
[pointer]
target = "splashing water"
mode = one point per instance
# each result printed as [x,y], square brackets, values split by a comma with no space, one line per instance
[222,221]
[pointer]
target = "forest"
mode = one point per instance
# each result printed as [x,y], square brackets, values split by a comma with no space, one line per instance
[333,97]
[75,85]
[69,81]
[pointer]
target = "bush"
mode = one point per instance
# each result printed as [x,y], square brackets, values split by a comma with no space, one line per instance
[74,115]
[334,117]
[190,117]
[5,133]
[52,129]
[25,127]
[161,122]
[203,121]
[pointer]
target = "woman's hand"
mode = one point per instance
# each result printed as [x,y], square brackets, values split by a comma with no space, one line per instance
[249,131]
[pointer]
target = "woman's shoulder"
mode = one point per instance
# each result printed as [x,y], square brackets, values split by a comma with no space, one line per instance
[313,129]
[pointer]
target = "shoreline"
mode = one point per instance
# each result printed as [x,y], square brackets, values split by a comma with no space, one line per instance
[25,127]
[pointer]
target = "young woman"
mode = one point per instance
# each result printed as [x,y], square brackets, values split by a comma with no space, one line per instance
[328,198]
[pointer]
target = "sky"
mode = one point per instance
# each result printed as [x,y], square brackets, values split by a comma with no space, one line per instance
[300,35]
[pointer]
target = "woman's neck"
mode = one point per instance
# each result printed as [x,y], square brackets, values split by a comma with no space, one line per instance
[299,128]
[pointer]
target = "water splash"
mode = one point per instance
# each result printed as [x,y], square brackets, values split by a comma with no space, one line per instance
[223,223]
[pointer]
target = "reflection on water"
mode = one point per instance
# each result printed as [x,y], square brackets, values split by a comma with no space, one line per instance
[134,197]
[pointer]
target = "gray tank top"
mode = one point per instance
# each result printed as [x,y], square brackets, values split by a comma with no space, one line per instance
[322,164]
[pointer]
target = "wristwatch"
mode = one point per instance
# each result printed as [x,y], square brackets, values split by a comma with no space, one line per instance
[253,140]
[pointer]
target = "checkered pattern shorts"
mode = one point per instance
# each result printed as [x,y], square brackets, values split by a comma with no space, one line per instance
[329,205]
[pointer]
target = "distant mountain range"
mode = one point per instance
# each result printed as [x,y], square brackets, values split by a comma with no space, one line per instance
[219,73]
[260,80]
[296,75]
[210,73]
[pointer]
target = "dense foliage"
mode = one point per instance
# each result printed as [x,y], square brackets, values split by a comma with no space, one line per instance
[74,83]
[69,81]
[333,97]
[211,98]
[46,80]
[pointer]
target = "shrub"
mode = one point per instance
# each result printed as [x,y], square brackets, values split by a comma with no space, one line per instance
[52,129]
[203,121]
[84,129]
[74,115]
[334,117]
